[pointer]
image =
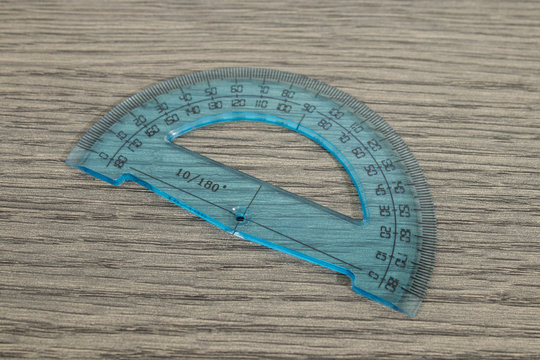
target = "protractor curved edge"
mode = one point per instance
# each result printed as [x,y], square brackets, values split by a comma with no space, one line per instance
[389,254]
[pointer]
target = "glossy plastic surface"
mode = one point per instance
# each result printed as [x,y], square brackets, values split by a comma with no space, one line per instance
[389,254]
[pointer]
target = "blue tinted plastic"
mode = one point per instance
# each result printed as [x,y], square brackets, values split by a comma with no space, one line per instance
[389,254]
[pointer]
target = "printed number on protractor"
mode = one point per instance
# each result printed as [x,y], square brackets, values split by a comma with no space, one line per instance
[389,254]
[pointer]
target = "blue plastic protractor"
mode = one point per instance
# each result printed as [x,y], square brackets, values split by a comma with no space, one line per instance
[389,254]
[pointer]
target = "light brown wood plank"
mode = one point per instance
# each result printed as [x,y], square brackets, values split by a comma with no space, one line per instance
[88,270]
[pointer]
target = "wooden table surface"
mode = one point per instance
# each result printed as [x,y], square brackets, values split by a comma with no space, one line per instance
[88,270]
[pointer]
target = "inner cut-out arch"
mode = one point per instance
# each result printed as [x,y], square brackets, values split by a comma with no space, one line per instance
[293,158]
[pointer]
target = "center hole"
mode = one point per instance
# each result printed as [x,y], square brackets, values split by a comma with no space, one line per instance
[240,217]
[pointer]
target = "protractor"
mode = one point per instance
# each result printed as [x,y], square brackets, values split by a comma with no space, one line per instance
[389,253]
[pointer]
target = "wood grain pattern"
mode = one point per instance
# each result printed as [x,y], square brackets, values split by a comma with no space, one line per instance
[93,271]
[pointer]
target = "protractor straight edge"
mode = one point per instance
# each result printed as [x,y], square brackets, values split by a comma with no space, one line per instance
[389,254]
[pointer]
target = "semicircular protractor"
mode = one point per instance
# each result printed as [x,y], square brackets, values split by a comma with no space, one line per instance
[388,254]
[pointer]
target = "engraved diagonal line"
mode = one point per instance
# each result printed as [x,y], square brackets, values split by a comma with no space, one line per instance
[307,245]
[266,227]
[247,207]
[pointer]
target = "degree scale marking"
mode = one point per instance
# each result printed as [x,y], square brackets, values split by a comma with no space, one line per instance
[419,254]
[188,104]
[389,192]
